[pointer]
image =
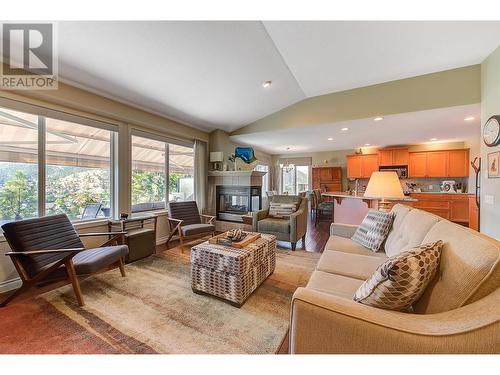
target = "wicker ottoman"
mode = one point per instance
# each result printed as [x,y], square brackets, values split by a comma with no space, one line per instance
[229,273]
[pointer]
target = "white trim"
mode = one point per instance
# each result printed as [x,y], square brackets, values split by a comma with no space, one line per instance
[11,284]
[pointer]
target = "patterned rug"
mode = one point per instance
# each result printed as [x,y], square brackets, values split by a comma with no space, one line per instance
[153,310]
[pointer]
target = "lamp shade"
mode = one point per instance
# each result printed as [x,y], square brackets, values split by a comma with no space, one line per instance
[216,157]
[384,185]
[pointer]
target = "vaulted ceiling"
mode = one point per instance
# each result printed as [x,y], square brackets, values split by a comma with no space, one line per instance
[209,74]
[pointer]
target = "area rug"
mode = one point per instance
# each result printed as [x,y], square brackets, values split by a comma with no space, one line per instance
[153,310]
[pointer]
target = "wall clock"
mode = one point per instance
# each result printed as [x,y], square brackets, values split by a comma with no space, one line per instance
[491,131]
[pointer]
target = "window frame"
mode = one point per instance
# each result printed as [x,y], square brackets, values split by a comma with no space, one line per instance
[42,114]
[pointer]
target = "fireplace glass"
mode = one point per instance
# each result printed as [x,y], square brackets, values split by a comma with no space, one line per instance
[235,201]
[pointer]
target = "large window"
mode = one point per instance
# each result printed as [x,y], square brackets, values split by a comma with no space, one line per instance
[159,169]
[294,179]
[50,166]
[18,165]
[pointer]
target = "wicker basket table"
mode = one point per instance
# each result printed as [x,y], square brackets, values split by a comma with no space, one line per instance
[230,273]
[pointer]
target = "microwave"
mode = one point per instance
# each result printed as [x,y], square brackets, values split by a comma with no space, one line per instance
[402,171]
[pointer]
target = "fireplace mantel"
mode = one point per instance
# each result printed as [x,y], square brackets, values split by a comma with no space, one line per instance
[236,173]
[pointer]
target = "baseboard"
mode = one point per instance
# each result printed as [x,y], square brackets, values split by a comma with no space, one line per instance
[7,285]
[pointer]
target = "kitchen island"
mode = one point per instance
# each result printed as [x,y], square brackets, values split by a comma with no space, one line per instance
[352,208]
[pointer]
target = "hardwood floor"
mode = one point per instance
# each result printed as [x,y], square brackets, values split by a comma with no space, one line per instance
[316,238]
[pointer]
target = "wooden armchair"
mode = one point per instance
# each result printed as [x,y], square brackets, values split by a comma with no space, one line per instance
[48,248]
[186,221]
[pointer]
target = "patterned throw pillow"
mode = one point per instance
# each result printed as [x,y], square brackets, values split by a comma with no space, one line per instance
[400,281]
[282,210]
[374,229]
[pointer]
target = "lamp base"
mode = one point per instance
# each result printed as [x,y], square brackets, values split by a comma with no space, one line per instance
[384,205]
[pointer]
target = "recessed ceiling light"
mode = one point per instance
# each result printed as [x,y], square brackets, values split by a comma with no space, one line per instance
[367,144]
[267,84]
[470,118]
[433,139]
[344,129]
[378,118]
[330,139]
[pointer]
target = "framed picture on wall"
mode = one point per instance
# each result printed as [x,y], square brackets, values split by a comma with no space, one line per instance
[493,164]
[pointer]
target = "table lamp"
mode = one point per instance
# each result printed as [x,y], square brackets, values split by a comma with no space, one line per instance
[384,185]
[216,158]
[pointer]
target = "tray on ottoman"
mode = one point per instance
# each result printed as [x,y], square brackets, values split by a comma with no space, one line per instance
[232,273]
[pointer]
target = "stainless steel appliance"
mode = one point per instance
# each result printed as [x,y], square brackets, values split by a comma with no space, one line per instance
[402,171]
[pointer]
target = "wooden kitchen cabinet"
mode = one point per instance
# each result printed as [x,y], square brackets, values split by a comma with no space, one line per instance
[393,157]
[453,207]
[327,178]
[449,163]
[417,164]
[458,163]
[362,166]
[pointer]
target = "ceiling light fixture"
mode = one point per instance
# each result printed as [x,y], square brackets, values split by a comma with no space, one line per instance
[267,84]
[367,144]
[433,139]
[344,129]
[379,118]
[330,139]
[286,166]
[470,118]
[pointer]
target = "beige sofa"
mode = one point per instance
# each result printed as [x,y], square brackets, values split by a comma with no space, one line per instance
[458,313]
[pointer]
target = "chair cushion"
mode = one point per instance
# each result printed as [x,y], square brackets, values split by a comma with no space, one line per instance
[191,230]
[400,281]
[373,230]
[410,232]
[185,211]
[469,270]
[93,260]
[347,245]
[331,283]
[351,265]
[274,225]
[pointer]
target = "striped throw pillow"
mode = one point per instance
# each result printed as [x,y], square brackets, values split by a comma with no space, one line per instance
[282,210]
[374,229]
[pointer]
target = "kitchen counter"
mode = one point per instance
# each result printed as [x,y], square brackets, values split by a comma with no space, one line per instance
[334,194]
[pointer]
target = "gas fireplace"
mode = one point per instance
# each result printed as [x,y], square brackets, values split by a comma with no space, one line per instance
[235,201]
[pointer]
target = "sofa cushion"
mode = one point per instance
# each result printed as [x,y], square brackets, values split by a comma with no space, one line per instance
[469,270]
[274,225]
[331,283]
[193,229]
[373,230]
[410,232]
[346,245]
[399,211]
[400,281]
[351,265]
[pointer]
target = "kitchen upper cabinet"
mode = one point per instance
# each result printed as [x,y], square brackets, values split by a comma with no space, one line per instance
[417,164]
[369,164]
[354,166]
[392,157]
[437,164]
[362,166]
[452,163]
[458,163]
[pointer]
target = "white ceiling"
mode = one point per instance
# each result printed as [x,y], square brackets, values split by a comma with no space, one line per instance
[209,74]
[335,56]
[445,124]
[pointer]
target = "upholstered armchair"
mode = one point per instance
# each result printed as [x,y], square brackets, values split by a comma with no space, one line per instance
[290,229]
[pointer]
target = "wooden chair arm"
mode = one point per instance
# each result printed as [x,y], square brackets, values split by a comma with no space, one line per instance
[172,219]
[38,252]
[100,234]
[210,217]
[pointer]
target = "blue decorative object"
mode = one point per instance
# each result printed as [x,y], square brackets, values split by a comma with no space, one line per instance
[245,153]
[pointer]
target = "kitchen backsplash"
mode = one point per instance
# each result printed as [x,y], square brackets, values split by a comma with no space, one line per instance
[425,185]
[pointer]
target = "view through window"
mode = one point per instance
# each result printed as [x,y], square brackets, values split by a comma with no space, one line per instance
[295,180]
[150,158]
